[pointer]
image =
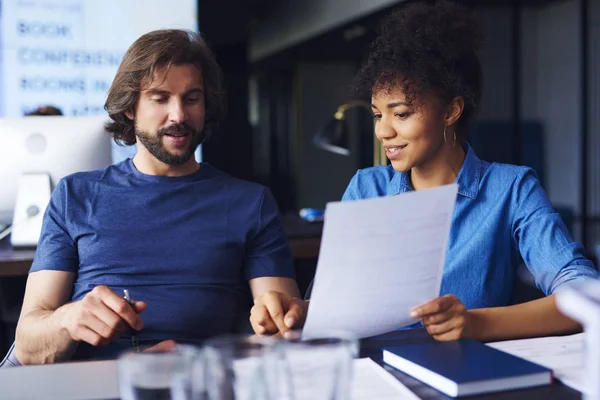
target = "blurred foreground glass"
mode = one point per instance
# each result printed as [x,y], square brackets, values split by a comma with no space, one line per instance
[317,368]
[237,368]
[174,375]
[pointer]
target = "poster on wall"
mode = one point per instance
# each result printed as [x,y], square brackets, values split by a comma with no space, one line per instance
[65,53]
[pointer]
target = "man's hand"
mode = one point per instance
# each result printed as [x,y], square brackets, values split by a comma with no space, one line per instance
[100,316]
[276,312]
[165,346]
[445,318]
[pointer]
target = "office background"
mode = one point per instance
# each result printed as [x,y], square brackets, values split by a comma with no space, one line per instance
[288,64]
[541,101]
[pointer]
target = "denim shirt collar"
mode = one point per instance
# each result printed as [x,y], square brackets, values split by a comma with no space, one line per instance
[468,177]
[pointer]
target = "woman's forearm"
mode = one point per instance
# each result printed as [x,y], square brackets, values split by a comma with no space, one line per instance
[535,318]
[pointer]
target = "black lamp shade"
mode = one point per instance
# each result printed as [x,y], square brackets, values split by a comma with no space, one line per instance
[333,137]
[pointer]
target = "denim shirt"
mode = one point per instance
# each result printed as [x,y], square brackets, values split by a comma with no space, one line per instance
[502,216]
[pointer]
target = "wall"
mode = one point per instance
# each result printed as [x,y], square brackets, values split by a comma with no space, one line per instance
[228,148]
[322,176]
[529,63]
[558,99]
[496,62]
[292,22]
[550,78]
[550,82]
[594,117]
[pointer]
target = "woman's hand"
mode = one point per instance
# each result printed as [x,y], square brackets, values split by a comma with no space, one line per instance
[445,318]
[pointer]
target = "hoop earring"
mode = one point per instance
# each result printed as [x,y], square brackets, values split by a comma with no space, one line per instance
[446,141]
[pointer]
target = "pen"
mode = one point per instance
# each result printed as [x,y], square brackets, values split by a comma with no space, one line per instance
[134,337]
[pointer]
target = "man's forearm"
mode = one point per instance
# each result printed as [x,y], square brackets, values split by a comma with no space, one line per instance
[40,338]
[535,318]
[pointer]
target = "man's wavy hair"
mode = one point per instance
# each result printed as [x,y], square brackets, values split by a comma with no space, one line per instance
[154,50]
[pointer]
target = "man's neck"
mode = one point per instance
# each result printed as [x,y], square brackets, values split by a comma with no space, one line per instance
[152,166]
[442,169]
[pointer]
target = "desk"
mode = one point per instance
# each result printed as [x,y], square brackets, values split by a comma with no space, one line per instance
[14,267]
[304,236]
[14,262]
[99,378]
[371,348]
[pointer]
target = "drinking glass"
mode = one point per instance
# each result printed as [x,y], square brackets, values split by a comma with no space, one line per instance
[238,368]
[160,375]
[316,368]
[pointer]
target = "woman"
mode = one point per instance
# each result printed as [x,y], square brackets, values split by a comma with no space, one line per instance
[424,80]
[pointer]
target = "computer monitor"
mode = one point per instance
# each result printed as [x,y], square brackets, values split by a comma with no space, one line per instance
[53,145]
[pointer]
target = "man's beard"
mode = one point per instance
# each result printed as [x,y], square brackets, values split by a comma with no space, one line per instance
[154,143]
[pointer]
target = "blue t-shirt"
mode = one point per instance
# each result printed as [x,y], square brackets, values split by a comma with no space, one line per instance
[187,246]
[502,214]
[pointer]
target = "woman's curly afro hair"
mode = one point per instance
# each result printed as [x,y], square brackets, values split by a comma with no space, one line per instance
[426,48]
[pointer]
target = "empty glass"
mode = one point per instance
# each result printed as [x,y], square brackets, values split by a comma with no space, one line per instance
[316,368]
[237,368]
[160,376]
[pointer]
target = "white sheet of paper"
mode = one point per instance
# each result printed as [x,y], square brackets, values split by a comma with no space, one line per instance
[379,258]
[563,354]
[369,380]
[372,382]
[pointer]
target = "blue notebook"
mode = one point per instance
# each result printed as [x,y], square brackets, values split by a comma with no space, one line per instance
[465,367]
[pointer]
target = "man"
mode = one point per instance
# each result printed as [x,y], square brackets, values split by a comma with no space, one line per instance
[186,240]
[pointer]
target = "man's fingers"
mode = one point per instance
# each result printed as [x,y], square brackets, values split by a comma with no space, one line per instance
[294,314]
[123,309]
[274,306]
[258,329]
[163,347]
[276,312]
[87,320]
[103,329]
[110,319]
[88,335]
[261,321]
[140,306]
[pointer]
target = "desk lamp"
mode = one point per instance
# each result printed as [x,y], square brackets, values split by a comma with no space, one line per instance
[334,137]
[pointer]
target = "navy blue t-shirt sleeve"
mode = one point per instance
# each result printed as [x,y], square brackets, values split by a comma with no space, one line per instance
[268,250]
[56,249]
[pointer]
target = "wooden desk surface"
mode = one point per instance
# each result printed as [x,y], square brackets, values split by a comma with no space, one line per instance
[14,262]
